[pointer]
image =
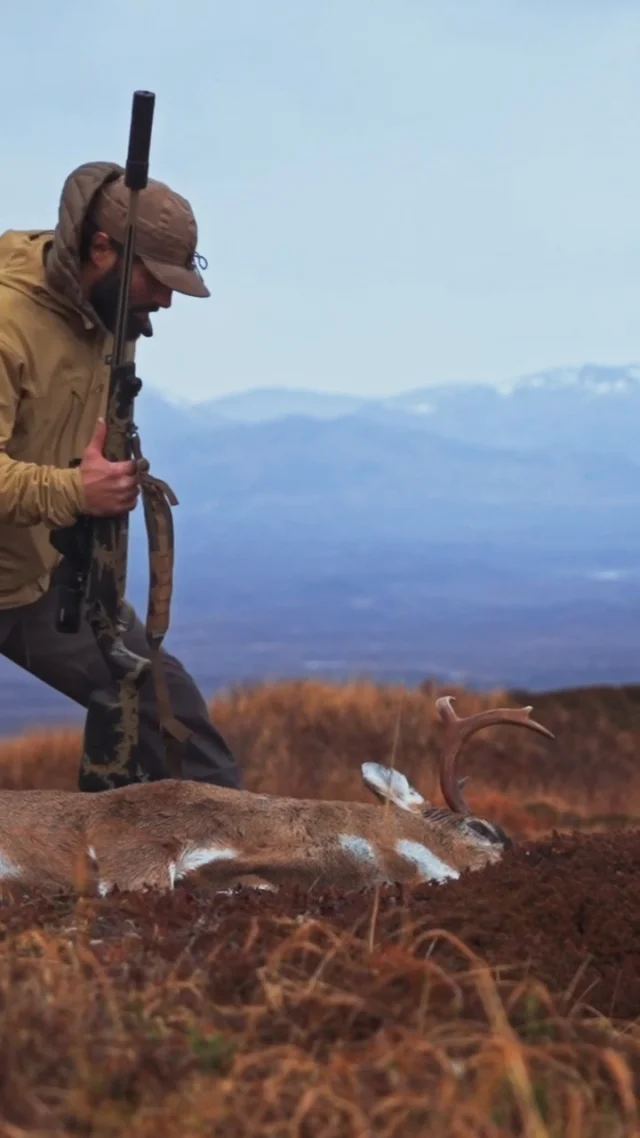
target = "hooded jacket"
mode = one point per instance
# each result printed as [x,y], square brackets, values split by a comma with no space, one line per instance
[53,386]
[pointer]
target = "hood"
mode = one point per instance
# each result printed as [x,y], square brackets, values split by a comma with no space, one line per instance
[55,283]
[78,193]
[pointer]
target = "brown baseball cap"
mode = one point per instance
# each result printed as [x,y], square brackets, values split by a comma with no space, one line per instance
[166,232]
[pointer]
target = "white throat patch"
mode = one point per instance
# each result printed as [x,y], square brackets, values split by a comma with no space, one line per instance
[428,864]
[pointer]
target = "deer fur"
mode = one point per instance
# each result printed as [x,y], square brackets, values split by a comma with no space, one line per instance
[152,835]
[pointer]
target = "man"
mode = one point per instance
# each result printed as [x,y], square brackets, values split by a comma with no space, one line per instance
[58,299]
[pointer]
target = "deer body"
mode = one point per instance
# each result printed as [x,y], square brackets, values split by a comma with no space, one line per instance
[154,834]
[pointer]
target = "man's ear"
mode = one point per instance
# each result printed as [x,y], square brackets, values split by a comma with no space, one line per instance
[103,253]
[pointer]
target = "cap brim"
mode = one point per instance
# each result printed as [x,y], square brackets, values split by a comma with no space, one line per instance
[177,278]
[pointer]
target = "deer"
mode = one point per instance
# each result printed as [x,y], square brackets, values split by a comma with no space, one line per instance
[150,835]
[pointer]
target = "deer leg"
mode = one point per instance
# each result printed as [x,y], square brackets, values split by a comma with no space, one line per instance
[134,867]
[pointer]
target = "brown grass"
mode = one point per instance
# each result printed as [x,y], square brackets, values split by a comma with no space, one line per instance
[308,739]
[502,1005]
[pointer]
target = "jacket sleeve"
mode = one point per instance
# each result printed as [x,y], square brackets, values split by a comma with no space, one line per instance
[30,493]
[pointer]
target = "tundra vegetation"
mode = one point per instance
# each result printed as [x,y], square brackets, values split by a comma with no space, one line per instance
[504,1002]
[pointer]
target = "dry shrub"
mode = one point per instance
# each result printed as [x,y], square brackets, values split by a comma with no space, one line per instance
[41,759]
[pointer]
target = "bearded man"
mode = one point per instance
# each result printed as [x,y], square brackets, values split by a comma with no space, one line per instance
[58,302]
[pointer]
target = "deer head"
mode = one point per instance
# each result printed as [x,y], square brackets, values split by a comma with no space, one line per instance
[470,841]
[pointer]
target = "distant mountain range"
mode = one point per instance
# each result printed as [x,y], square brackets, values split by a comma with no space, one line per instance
[589,408]
[488,533]
[561,444]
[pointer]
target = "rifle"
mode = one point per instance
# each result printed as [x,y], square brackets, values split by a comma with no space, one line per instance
[94,549]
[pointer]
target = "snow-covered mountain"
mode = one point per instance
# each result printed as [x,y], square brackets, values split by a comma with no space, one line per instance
[590,379]
[592,408]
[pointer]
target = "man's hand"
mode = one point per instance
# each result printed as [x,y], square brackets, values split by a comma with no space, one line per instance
[110,487]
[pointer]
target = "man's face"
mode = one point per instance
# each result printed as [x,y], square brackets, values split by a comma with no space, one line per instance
[146,294]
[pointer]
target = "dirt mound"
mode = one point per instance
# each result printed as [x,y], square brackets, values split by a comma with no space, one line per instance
[566,911]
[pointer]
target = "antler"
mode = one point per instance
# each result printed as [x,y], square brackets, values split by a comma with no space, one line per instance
[462,729]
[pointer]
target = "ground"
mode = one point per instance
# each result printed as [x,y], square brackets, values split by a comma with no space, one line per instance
[506,1003]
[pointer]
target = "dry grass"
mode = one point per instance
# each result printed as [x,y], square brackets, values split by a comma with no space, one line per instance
[146,1016]
[189,1016]
[308,739]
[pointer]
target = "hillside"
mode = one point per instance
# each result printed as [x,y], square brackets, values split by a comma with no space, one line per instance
[308,738]
[475,534]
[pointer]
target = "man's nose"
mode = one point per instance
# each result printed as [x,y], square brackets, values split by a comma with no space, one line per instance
[163,296]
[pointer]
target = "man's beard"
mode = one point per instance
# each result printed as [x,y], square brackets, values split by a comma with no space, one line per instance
[104,296]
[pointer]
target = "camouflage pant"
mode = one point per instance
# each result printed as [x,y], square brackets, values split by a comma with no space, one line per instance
[73,665]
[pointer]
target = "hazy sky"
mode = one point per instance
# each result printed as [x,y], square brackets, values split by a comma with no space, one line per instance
[388,193]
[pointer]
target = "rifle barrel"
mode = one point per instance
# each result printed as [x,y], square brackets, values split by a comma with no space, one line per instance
[136,174]
[137,168]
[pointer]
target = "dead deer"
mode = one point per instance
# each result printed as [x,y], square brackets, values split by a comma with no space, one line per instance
[150,835]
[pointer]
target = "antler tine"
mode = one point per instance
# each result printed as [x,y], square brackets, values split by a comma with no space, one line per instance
[462,728]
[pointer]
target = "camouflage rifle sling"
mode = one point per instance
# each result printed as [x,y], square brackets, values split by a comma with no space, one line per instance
[157,500]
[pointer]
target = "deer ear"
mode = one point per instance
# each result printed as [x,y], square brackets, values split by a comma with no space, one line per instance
[392,785]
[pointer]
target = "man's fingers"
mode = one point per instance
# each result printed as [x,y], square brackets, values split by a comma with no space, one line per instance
[96,443]
[129,500]
[127,494]
[128,467]
[125,484]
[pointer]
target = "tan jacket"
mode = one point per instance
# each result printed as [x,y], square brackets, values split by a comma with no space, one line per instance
[53,388]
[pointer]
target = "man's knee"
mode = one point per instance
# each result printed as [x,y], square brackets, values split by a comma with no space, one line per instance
[186,697]
[206,755]
[181,685]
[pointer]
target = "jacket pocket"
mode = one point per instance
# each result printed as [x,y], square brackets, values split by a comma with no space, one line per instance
[67,428]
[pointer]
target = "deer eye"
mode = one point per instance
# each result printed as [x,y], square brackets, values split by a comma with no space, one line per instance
[484,831]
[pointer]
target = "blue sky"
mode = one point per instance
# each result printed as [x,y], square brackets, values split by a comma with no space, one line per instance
[387,193]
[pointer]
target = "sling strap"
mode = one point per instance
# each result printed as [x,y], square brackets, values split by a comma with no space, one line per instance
[158,498]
